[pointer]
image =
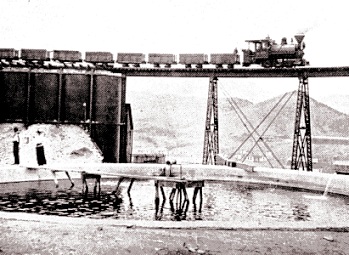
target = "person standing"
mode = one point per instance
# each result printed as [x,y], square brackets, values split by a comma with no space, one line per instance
[40,152]
[16,146]
[168,169]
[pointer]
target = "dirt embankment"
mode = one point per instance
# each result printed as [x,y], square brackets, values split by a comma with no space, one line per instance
[41,237]
[62,143]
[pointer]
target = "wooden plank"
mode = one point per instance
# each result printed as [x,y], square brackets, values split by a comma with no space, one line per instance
[126,176]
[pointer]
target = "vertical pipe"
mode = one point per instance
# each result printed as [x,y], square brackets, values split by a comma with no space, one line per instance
[195,194]
[91,102]
[156,192]
[180,172]
[60,87]
[130,186]
[163,193]
[200,207]
[28,98]
[118,128]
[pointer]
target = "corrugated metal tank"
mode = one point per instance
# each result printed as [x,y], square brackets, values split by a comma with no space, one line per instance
[93,100]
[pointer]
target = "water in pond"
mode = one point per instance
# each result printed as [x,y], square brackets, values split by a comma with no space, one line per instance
[227,201]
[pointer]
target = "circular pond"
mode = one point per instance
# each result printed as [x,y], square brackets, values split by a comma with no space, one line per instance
[222,201]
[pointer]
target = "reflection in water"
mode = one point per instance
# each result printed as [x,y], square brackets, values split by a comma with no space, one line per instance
[197,213]
[159,212]
[62,202]
[178,209]
[221,201]
[179,202]
[179,212]
[97,187]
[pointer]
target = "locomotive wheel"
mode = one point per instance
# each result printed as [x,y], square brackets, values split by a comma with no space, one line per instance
[266,64]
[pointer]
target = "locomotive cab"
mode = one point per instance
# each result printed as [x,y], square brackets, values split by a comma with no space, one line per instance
[259,54]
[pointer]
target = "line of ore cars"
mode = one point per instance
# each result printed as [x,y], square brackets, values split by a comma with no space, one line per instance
[265,53]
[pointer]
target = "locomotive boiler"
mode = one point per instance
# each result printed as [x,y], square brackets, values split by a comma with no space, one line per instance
[268,54]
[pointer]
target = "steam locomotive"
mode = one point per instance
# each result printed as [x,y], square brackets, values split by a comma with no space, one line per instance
[266,53]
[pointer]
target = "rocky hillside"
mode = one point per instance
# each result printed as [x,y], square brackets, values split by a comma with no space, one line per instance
[325,121]
[175,125]
[339,102]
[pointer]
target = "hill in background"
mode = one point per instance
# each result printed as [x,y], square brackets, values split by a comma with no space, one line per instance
[174,125]
[339,102]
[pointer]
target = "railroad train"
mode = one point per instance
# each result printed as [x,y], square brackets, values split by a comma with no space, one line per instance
[266,53]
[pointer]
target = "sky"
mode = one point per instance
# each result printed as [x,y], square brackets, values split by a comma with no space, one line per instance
[185,26]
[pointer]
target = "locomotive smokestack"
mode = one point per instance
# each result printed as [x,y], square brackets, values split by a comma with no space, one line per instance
[299,38]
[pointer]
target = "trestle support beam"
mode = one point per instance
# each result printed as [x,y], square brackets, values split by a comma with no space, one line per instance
[211,141]
[302,151]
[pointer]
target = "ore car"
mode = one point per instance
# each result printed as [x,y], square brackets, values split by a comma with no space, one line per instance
[267,53]
[35,54]
[8,54]
[67,55]
[157,59]
[131,58]
[99,57]
[193,59]
[229,59]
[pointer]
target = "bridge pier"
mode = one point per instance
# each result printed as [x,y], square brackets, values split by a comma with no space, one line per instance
[302,152]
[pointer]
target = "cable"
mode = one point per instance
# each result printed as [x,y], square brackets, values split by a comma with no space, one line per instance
[277,114]
[234,106]
[254,130]
[265,144]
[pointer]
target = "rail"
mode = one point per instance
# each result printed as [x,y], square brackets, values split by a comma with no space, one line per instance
[235,73]
[340,71]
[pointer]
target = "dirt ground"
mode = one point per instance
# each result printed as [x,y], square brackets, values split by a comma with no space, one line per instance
[19,236]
